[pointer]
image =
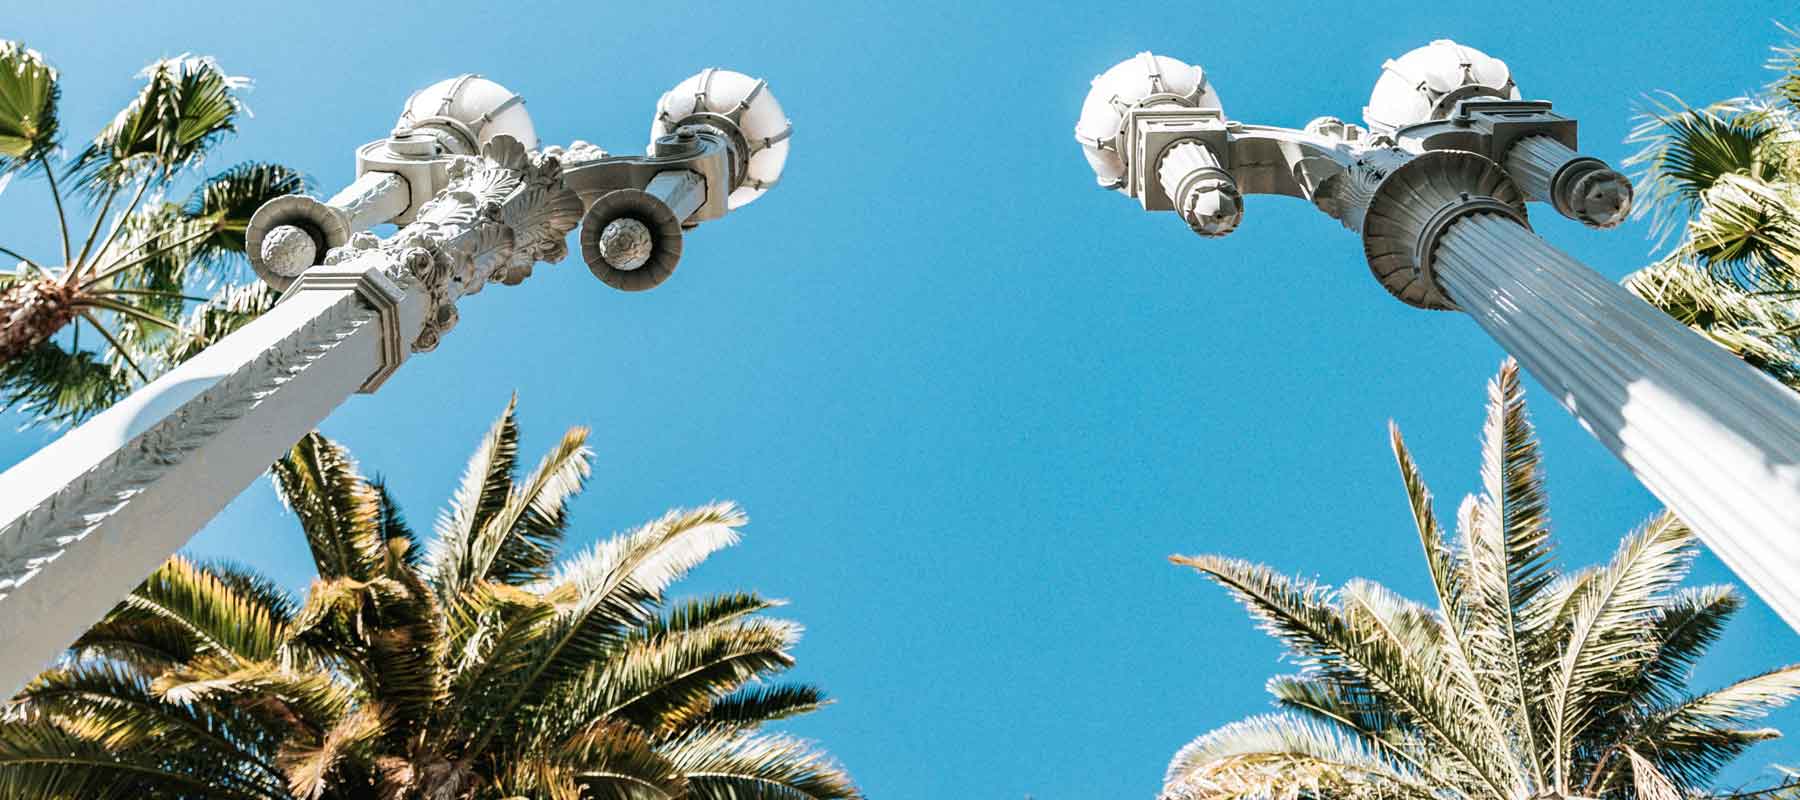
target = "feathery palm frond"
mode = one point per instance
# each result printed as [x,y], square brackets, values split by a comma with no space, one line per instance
[1280,756]
[488,670]
[1525,682]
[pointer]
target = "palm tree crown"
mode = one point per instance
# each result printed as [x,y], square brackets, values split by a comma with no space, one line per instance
[1524,682]
[126,282]
[1725,178]
[482,667]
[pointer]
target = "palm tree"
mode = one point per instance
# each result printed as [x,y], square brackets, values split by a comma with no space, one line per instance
[1524,682]
[481,668]
[1726,178]
[127,281]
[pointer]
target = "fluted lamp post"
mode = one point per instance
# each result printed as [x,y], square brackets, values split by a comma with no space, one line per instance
[476,201]
[1436,185]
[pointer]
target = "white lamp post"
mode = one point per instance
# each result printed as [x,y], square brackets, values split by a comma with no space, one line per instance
[1436,185]
[88,517]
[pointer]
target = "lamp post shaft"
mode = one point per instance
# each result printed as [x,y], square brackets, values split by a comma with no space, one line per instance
[1713,438]
[86,518]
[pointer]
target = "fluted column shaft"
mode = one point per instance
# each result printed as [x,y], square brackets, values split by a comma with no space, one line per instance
[1713,438]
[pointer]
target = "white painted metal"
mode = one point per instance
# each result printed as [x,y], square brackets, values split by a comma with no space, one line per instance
[749,106]
[89,516]
[85,519]
[1427,82]
[1713,438]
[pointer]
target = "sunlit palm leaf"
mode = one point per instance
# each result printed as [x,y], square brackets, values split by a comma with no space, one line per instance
[725,766]
[339,511]
[1686,150]
[486,485]
[28,95]
[1301,615]
[186,106]
[1278,756]
[1605,643]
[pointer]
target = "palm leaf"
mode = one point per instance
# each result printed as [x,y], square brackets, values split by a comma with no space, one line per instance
[1279,756]
[1508,539]
[1300,615]
[28,95]
[1605,645]
[57,386]
[339,511]
[486,485]
[753,706]
[224,621]
[604,594]
[186,106]
[729,766]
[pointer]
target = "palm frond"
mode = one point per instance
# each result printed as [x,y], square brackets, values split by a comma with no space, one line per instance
[232,308]
[517,544]
[1686,623]
[115,704]
[614,761]
[339,511]
[729,766]
[1300,614]
[28,96]
[1280,757]
[60,387]
[1605,644]
[54,762]
[664,684]
[486,484]
[187,105]
[310,765]
[753,706]
[1687,149]
[1508,539]
[225,621]
[1761,329]
[601,596]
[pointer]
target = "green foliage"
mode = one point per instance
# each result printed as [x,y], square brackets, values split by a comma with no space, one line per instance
[488,668]
[1724,179]
[127,281]
[1523,681]
[28,95]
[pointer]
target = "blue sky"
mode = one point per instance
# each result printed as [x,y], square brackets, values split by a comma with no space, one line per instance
[970,401]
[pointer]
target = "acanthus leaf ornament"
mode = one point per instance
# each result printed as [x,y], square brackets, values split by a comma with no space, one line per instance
[501,212]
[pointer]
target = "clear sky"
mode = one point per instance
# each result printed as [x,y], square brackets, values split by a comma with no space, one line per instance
[970,401]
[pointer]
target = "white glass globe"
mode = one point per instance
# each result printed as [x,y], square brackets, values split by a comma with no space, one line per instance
[481,107]
[1131,83]
[763,125]
[1425,84]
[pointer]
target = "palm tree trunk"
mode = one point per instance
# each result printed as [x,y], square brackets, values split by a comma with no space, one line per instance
[30,313]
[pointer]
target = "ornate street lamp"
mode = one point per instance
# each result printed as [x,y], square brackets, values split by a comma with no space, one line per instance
[85,519]
[1437,185]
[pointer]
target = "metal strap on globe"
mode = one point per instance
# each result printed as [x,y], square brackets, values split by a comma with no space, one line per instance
[1437,187]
